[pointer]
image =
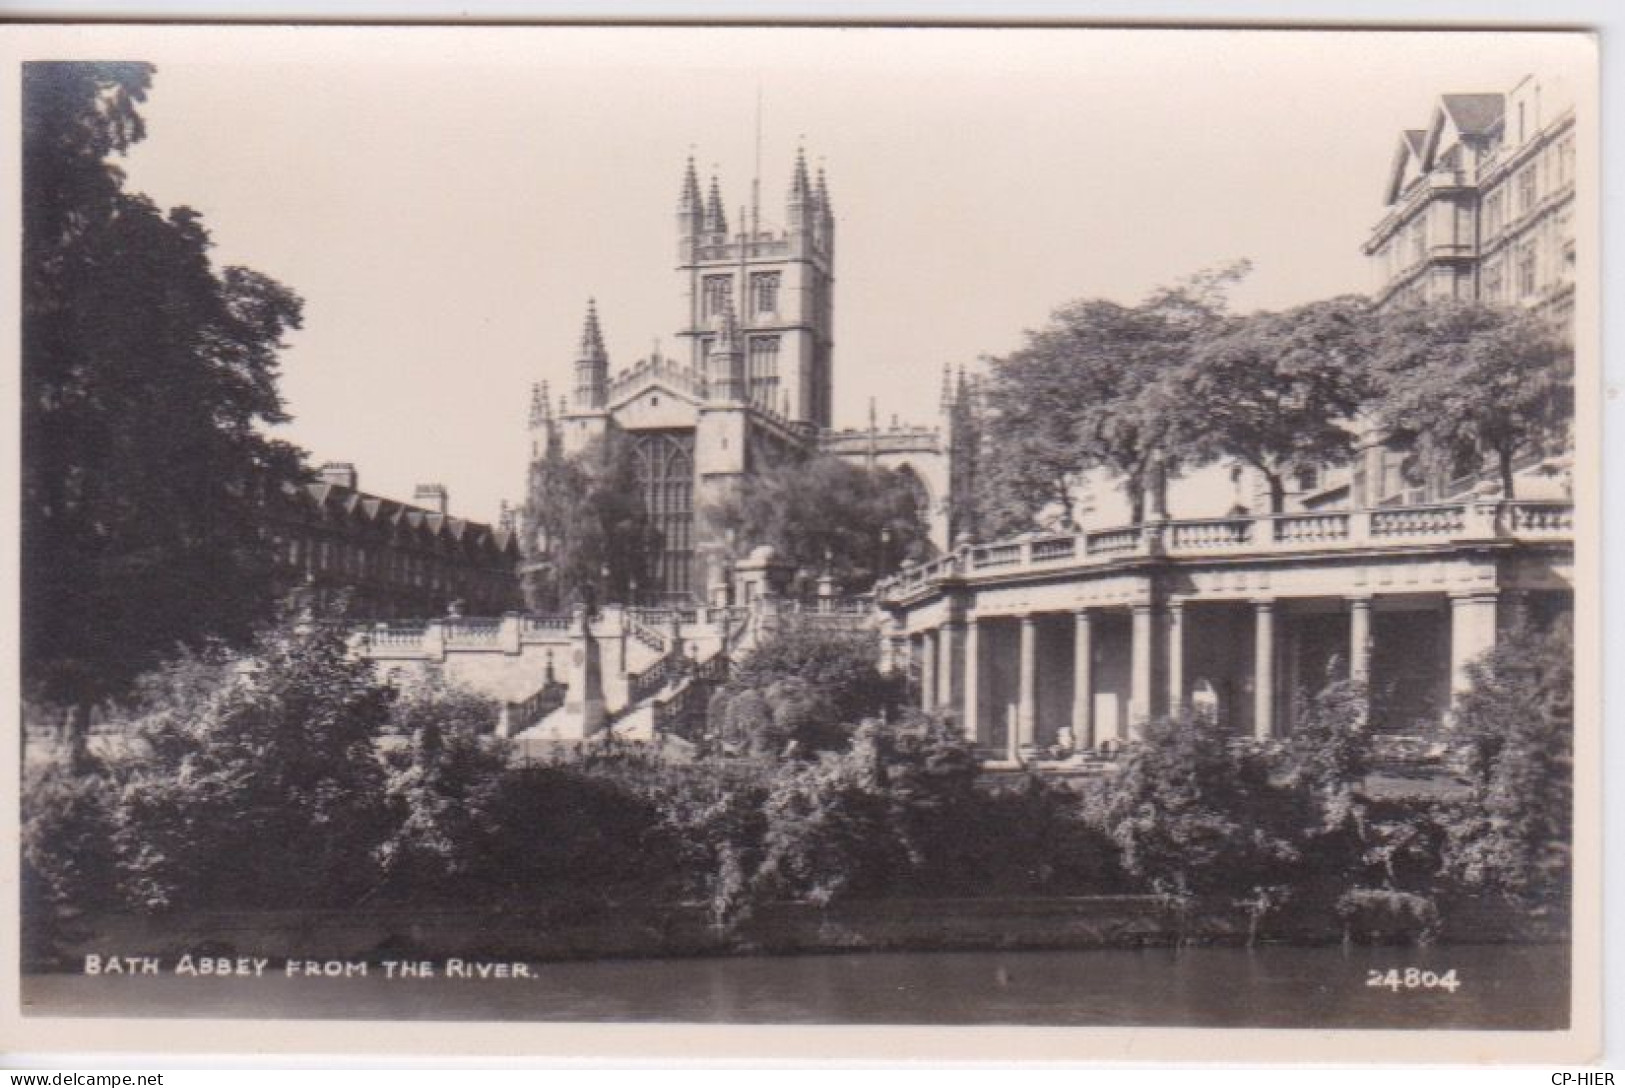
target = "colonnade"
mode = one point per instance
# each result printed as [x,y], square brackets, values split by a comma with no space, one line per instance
[955,659]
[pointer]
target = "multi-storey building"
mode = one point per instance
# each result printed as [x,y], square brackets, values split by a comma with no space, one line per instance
[751,383]
[391,559]
[1479,206]
[1072,640]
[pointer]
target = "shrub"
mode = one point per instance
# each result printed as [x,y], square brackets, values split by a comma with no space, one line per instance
[827,679]
[265,790]
[68,862]
[442,782]
[1516,724]
[1196,815]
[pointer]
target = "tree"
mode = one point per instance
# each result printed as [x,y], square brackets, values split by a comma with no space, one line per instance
[1277,391]
[822,513]
[1093,389]
[1517,725]
[145,377]
[441,785]
[1467,385]
[589,538]
[1195,814]
[809,684]
[267,789]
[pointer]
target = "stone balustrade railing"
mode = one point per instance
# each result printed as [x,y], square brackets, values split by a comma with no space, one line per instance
[1264,535]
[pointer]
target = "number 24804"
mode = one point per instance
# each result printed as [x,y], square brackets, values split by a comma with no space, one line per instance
[1412,978]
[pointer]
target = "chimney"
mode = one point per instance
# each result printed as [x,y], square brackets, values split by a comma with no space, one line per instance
[432,497]
[341,473]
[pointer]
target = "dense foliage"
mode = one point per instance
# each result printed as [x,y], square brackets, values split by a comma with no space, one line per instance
[1139,392]
[1467,386]
[146,377]
[1515,837]
[589,539]
[292,778]
[1096,388]
[826,515]
[1277,392]
[803,690]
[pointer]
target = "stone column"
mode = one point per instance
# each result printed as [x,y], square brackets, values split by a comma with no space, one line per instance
[950,669]
[1472,631]
[1083,682]
[1027,698]
[1360,640]
[1175,620]
[1139,703]
[928,671]
[1263,669]
[973,681]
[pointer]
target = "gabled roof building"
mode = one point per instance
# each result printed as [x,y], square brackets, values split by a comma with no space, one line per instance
[391,559]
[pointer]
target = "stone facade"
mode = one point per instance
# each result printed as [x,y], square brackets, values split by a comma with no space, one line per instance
[1071,642]
[1478,206]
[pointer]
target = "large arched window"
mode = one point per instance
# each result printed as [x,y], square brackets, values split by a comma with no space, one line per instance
[665,470]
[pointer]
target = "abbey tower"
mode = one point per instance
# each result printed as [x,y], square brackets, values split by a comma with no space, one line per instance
[751,382]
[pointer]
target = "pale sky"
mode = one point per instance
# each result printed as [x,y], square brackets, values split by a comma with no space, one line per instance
[446,200]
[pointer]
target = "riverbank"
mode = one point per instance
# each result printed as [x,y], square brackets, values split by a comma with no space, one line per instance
[562,931]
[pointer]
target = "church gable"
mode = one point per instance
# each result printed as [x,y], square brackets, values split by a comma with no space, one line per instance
[653,404]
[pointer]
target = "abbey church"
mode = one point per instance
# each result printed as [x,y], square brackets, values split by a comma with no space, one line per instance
[751,383]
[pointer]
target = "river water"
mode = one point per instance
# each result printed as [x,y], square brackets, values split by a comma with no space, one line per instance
[1500,987]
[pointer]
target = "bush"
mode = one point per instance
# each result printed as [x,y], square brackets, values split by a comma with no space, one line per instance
[264,790]
[441,787]
[831,828]
[68,862]
[831,676]
[1516,724]
[1197,815]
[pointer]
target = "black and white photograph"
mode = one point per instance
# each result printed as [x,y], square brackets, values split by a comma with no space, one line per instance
[765,529]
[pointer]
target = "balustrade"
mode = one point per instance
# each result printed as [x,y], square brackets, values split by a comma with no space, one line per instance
[995,555]
[1540,518]
[1311,528]
[1205,535]
[1262,536]
[1418,521]
[531,626]
[397,636]
[472,632]
[1113,541]
[1049,549]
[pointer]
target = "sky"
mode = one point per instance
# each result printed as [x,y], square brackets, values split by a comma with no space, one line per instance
[446,201]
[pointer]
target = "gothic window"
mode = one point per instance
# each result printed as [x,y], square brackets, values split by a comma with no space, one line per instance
[719,292]
[764,289]
[664,464]
[763,371]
